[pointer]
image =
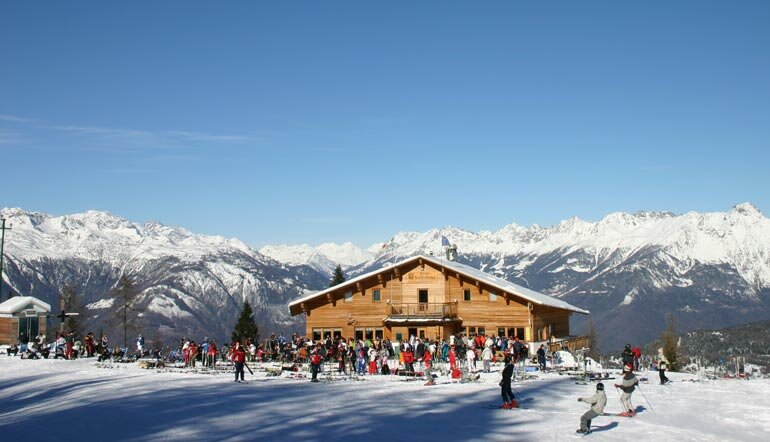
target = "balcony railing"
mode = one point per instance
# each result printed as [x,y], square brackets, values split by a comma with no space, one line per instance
[430,310]
[570,343]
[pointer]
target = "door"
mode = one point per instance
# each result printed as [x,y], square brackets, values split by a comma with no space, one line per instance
[422,297]
[28,329]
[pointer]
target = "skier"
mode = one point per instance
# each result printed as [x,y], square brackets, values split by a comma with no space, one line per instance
[541,357]
[470,358]
[140,345]
[486,357]
[627,356]
[238,356]
[408,360]
[315,364]
[427,360]
[628,385]
[637,355]
[509,400]
[597,401]
[662,371]
[212,354]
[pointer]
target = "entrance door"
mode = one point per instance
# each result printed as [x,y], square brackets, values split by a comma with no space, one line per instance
[28,329]
[412,332]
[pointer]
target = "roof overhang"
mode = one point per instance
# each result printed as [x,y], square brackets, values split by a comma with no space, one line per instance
[300,305]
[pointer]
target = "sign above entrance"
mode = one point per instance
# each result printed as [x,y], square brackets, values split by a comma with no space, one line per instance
[422,276]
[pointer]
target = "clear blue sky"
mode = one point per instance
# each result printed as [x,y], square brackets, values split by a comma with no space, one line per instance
[311,121]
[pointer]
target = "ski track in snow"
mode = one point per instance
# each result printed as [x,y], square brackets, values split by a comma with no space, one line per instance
[75,400]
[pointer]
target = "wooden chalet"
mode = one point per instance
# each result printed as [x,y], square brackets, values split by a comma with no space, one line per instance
[22,317]
[432,298]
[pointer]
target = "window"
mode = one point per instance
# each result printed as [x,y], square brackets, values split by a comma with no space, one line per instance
[348,296]
[317,334]
[480,330]
[423,295]
[492,297]
[501,331]
[467,295]
[369,333]
[376,296]
[399,336]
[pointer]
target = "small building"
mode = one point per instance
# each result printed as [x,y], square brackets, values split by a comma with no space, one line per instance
[432,298]
[22,317]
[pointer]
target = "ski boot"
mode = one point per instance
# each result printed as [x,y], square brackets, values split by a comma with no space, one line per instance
[513,404]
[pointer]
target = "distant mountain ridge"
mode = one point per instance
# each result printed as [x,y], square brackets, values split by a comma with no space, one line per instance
[189,285]
[708,269]
[630,270]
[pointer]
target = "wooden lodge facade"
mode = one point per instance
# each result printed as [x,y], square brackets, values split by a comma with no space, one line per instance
[431,298]
[22,317]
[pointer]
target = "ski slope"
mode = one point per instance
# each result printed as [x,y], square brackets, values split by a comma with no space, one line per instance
[76,400]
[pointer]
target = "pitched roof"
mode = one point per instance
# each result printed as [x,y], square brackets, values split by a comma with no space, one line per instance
[17,304]
[468,271]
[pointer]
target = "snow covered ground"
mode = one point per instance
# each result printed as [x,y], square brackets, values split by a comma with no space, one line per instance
[76,400]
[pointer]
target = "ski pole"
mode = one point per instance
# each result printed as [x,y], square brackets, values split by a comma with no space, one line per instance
[645,398]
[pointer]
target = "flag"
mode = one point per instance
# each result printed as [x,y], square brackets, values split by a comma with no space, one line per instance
[444,241]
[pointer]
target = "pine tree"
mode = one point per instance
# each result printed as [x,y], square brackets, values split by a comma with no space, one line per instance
[338,277]
[593,340]
[670,344]
[245,327]
[126,314]
[71,304]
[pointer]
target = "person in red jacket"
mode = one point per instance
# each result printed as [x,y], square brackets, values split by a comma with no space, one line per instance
[212,354]
[408,360]
[637,354]
[238,356]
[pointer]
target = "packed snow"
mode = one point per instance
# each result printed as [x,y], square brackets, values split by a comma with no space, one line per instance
[79,400]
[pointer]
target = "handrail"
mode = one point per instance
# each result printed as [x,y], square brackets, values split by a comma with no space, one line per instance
[406,310]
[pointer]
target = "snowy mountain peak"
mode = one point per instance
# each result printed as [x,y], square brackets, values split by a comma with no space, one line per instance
[747,209]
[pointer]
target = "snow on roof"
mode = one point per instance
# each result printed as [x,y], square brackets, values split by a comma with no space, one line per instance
[18,303]
[471,272]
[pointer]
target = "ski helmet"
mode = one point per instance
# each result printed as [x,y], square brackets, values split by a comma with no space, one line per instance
[599,386]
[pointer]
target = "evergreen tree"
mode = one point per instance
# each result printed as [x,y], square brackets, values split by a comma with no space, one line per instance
[245,327]
[670,344]
[126,313]
[338,277]
[593,340]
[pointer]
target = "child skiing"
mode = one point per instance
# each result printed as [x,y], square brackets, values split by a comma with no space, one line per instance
[315,364]
[238,356]
[628,385]
[597,401]
[509,400]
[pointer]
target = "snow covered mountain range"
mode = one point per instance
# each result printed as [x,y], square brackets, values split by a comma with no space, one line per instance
[631,270]
[189,285]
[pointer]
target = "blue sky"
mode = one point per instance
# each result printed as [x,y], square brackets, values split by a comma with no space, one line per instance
[308,121]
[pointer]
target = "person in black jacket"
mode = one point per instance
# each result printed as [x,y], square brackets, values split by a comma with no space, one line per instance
[627,356]
[541,357]
[509,400]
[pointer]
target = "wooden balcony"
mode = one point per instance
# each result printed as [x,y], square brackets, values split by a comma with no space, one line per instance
[422,312]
